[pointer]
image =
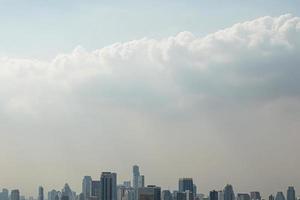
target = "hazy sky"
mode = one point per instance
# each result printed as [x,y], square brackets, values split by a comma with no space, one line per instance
[202,89]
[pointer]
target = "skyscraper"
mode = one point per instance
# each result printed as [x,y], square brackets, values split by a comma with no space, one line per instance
[228,192]
[138,180]
[185,184]
[96,189]
[271,197]
[141,181]
[108,186]
[86,187]
[166,195]
[15,195]
[213,195]
[41,193]
[67,193]
[151,192]
[279,196]
[4,194]
[255,196]
[291,194]
[53,195]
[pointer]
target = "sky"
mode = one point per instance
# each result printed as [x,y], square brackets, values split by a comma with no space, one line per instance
[202,89]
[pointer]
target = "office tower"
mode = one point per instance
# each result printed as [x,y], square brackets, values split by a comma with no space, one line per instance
[189,195]
[15,195]
[271,197]
[53,195]
[279,196]
[291,194]
[4,194]
[125,193]
[96,190]
[141,181]
[179,195]
[135,178]
[255,196]
[108,186]
[195,190]
[86,187]
[243,197]
[41,193]
[213,195]
[166,195]
[228,192]
[220,195]
[185,184]
[67,193]
[151,192]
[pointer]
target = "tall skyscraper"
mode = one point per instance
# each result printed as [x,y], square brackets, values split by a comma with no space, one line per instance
[255,196]
[213,195]
[138,180]
[141,181]
[228,193]
[96,189]
[108,186]
[151,192]
[53,195]
[86,187]
[271,197]
[279,196]
[41,193]
[67,193]
[221,195]
[185,184]
[291,194]
[15,195]
[195,190]
[166,195]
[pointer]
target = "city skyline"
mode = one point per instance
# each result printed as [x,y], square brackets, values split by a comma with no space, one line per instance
[204,89]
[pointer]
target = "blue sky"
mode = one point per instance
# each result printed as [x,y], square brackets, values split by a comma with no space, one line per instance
[42,29]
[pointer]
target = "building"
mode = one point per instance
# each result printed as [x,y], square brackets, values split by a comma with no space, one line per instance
[138,180]
[67,193]
[271,197]
[220,195]
[213,195]
[228,193]
[195,190]
[41,193]
[141,181]
[244,196]
[151,192]
[291,194]
[4,194]
[279,196]
[179,195]
[53,195]
[125,193]
[86,187]
[166,195]
[108,189]
[96,190]
[255,195]
[185,184]
[15,195]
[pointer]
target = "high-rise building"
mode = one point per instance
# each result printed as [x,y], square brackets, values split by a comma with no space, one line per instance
[195,190]
[220,195]
[141,181]
[127,184]
[41,193]
[86,187]
[243,196]
[166,195]
[185,184]
[15,195]
[67,193]
[151,192]
[179,195]
[96,190]
[4,194]
[213,195]
[279,196]
[108,186]
[271,197]
[228,193]
[125,193]
[255,195]
[53,195]
[291,194]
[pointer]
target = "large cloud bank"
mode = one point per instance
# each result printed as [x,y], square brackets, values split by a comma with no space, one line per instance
[255,59]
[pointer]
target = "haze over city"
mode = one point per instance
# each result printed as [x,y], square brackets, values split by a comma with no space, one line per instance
[207,90]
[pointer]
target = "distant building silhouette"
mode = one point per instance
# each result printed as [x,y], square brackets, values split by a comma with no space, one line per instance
[291,194]
[41,193]
[96,190]
[279,196]
[166,195]
[151,192]
[15,195]
[244,196]
[255,195]
[86,187]
[108,186]
[213,195]
[228,193]
[271,197]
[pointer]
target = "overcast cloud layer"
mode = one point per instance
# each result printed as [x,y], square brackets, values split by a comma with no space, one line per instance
[221,108]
